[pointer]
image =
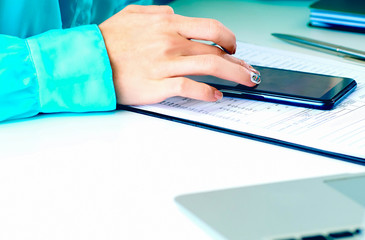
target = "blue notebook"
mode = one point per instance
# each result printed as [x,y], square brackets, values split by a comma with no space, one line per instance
[348,15]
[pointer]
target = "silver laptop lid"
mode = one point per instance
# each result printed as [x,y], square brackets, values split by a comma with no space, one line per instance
[310,209]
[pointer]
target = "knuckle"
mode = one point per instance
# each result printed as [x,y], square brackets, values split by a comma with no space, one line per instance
[180,86]
[164,18]
[210,63]
[162,21]
[215,28]
[167,9]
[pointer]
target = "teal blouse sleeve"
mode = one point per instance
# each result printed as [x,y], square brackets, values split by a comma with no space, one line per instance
[57,71]
[66,69]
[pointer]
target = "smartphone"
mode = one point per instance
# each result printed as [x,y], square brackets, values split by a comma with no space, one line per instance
[288,87]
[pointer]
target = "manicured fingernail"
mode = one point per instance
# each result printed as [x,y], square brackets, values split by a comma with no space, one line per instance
[253,70]
[255,78]
[218,95]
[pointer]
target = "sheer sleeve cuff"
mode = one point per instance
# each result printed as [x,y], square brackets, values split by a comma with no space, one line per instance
[73,70]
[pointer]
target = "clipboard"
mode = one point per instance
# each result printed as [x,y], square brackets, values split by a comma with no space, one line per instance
[337,133]
[264,139]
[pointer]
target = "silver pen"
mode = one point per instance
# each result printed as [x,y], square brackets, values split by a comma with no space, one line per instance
[336,49]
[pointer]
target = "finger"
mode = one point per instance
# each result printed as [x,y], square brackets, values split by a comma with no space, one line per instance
[149,9]
[206,29]
[198,48]
[240,62]
[185,87]
[210,65]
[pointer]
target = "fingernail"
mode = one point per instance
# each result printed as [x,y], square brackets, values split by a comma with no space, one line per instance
[255,78]
[218,95]
[253,70]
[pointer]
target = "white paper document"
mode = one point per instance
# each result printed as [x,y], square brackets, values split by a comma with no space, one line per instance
[341,130]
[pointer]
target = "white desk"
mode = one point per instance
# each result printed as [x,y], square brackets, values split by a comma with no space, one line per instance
[115,175]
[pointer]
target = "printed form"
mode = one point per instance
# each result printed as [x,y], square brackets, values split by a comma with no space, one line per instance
[341,130]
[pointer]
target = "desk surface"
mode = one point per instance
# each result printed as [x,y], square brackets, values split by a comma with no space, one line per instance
[115,175]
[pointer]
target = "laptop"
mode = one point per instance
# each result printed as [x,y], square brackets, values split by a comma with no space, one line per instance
[324,208]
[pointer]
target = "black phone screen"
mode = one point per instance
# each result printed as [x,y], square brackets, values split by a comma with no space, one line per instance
[287,82]
[297,83]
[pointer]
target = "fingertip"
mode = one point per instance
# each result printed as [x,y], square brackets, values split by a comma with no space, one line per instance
[234,49]
[218,95]
[209,93]
[252,78]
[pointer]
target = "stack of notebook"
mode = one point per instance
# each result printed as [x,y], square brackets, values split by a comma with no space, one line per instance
[339,14]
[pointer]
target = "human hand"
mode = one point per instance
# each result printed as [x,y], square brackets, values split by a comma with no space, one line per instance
[150,51]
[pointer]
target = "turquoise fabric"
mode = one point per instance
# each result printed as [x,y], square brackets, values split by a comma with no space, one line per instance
[53,57]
